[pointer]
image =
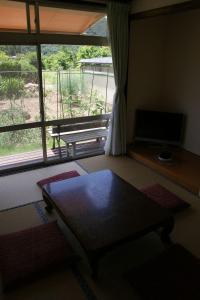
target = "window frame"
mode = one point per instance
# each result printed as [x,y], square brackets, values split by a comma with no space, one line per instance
[37,39]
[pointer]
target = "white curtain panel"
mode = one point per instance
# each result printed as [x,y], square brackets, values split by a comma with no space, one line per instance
[118,13]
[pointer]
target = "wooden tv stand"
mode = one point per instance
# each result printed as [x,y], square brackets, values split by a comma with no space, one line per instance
[184,169]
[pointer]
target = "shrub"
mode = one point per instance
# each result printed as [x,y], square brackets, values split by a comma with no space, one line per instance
[63,60]
[28,64]
[24,66]
[18,137]
[11,88]
[72,84]
[73,90]
[28,72]
[13,116]
[9,68]
[3,56]
[31,57]
[93,51]
[97,105]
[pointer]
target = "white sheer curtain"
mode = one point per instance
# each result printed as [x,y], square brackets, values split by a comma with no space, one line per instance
[118,14]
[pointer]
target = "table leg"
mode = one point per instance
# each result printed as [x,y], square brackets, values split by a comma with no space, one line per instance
[94,265]
[73,149]
[67,148]
[99,139]
[165,232]
[54,144]
[48,206]
[95,270]
[59,148]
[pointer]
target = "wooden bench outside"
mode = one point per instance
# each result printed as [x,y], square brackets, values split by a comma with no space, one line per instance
[80,129]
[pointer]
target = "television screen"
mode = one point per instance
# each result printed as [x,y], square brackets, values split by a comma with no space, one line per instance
[161,127]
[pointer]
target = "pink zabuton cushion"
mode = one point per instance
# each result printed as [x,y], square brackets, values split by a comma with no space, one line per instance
[165,198]
[26,253]
[58,177]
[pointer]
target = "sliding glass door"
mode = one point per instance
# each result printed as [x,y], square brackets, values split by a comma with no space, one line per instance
[74,89]
[44,79]
[20,113]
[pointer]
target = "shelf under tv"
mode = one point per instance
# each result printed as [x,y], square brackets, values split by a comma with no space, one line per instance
[183,169]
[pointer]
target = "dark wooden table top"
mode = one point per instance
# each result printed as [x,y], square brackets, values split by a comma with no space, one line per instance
[103,210]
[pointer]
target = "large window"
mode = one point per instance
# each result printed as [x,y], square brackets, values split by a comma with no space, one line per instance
[46,78]
[13,16]
[57,20]
[19,89]
[23,17]
[73,87]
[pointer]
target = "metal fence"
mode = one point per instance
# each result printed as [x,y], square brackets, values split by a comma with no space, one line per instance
[66,94]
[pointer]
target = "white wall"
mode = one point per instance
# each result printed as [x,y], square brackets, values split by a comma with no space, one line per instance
[164,70]
[144,5]
[145,70]
[181,85]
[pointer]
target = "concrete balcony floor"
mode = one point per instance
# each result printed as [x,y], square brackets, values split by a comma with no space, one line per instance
[90,148]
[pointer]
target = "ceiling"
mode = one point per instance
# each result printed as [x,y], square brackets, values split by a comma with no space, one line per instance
[52,19]
[103,2]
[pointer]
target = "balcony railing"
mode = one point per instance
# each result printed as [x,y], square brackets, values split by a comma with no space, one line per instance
[66,94]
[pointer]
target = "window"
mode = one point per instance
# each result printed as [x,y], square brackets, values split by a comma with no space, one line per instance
[43,81]
[19,85]
[57,20]
[98,28]
[73,88]
[13,16]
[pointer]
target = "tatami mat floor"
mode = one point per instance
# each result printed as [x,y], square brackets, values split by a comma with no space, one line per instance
[20,189]
[77,284]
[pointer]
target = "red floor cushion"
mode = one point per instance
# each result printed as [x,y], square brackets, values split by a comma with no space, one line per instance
[172,275]
[165,198]
[26,253]
[58,177]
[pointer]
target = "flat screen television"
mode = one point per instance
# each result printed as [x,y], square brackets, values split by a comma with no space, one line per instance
[159,127]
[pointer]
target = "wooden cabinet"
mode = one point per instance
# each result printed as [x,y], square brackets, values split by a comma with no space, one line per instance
[184,168]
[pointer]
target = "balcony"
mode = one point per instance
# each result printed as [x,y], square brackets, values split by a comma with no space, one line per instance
[66,95]
[34,157]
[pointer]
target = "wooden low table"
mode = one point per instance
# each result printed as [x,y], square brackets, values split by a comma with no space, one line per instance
[104,211]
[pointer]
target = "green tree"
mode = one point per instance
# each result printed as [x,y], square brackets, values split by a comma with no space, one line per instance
[14,50]
[28,67]
[18,138]
[31,58]
[93,51]
[8,65]
[11,88]
[3,56]
[63,60]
